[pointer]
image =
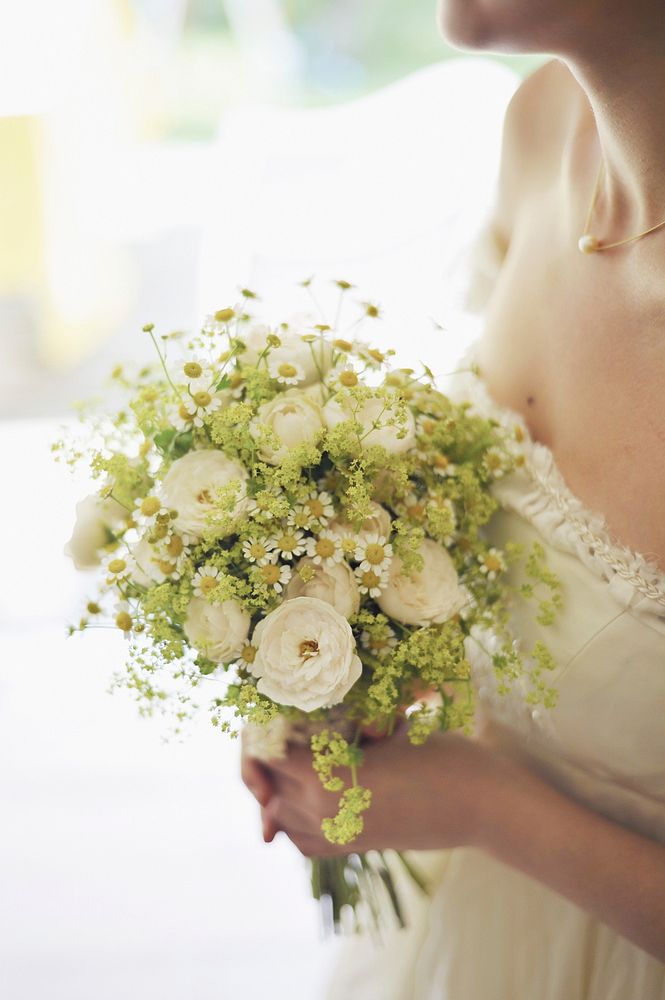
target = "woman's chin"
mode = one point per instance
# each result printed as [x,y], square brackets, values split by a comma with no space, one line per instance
[492,25]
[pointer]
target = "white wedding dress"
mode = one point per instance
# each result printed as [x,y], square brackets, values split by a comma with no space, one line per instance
[488,932]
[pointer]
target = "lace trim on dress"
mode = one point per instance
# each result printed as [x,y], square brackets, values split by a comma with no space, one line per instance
[538,492]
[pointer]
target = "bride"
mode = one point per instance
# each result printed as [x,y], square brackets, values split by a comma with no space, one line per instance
[549,829]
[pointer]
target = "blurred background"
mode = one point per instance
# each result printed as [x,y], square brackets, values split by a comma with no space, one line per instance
[156,155]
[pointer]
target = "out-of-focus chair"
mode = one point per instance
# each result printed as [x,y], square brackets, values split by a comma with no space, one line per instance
[387,192]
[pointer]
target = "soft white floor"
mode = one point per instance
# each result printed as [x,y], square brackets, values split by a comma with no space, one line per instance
[129,868]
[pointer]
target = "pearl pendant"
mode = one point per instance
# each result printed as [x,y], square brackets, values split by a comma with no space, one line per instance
[587,243]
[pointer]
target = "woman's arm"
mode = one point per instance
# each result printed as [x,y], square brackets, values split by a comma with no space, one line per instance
[599,865]
[456,791]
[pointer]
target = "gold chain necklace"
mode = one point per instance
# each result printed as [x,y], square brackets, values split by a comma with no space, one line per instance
[588,243]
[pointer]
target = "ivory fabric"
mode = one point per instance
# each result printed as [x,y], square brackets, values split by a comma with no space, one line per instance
[489,932]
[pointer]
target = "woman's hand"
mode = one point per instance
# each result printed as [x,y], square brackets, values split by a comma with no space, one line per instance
[423,797]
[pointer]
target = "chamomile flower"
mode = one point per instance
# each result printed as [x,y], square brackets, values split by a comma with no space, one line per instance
[380,643]
[425,425]
[491,563]
[343,378]
[217,322]
[275,575]
[413,507]
[442,465]
[148,511]
[317,508]
[325,549]
[117,569]
[123,617]
[495,463]
[197,373]
[182,416]
[370,581]
[285,371]
[246,656]
[205,404]
[205,580]
[289,542]
[257,550]
[374,553]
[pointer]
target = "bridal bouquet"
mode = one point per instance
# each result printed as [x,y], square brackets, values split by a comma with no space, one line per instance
[292,529]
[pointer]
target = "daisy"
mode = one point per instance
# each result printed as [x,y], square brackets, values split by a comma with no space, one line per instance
[218,322]
[205,580]
[288,543]
[205,403]
[495,463]
[325,549]
[284,371]
[123,617]
[381,643]
[173,553]
[319,506]
[343,378]
[274,575]
[257,551]
[426,425]
[246,656]
[413,507]
[182,416]
[117,569]
[442,465]
[148,511]
[374,553]
[198,374]
[369,581]
[491,564]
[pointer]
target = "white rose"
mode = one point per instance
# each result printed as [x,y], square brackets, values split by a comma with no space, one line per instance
[143,568]
[378,522]
[335,584]
[314,359]
[305,655]
[266,741]
[191,484]
[293,417]
[427,597]
[373,410]
[255,340]
[95,518]
[217,630]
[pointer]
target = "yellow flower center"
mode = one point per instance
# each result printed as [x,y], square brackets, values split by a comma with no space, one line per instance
[493,460]
[493,563]
[123,621]
[315,507]
[184,413]
[370,579]
[440,461]
[270,573]
[300,519]
[93,608]
[204,496]
[325,548]
[428,426]
[257,551]
[207,584]
[248,654]
[150,506]
[308,648]
[373,353]
[202,398]
[287,542]
[343,345]
[175,546]
[349,379]
[373,311]
[235,380]
[193,369]
[166,567]
[375,554]
[416,511]
[224,315]
[348,544]
[287,370]
[117,566]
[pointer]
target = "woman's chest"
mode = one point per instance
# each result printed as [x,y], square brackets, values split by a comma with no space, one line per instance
[577,346]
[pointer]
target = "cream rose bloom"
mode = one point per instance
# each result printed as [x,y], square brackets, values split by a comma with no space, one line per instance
[427,597]
[143,568]
[293,417]
[378,522]
[190,485]
[314,359]
[95,517]
[268,741]
[306,655]
[217,630]
[334,412]
[335,584]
